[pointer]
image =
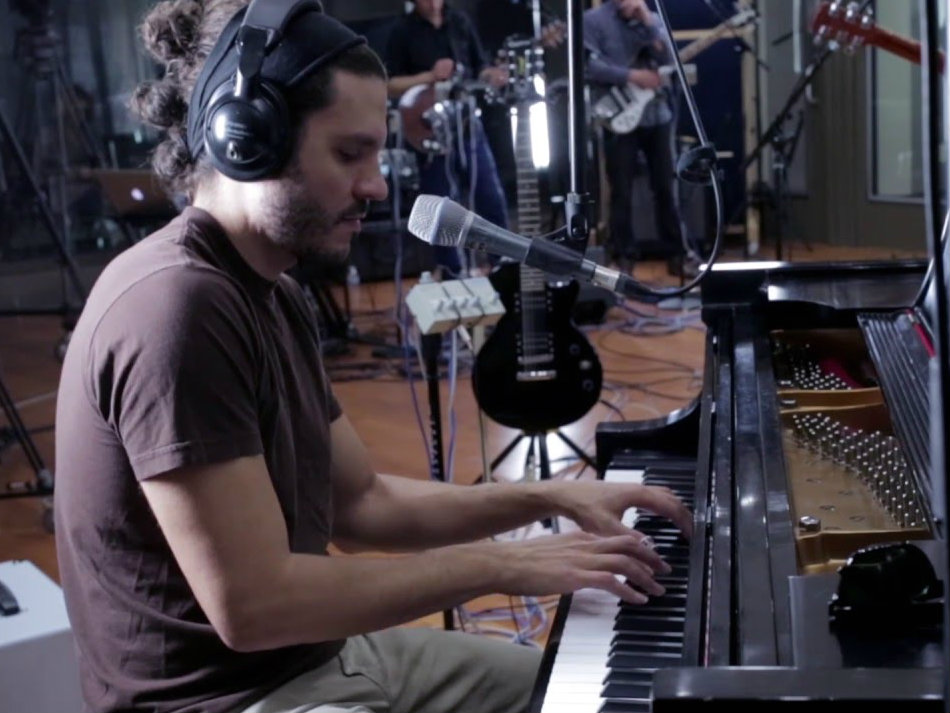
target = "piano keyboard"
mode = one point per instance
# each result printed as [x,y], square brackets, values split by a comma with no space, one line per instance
[609,650]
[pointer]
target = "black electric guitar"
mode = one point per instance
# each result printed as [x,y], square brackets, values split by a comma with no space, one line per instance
[537,371]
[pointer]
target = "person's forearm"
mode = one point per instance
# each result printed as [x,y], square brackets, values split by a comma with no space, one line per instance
[661,40]
[311,598]
[400,85]
[404,514]
[600,72]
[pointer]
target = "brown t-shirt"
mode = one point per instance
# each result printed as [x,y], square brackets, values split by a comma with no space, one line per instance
[183,355]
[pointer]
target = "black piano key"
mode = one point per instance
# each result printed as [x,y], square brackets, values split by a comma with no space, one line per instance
[677,576]
[628,687]
[646,611]
[657,659]
[641,649]
[629,640]
[667,623]
[644,648]
[673,637]
[670,599]
[626,705]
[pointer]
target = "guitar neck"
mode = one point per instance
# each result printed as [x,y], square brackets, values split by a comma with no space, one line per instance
[696,46]
[529,198]
[898,45]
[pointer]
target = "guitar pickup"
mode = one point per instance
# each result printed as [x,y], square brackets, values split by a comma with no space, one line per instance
[537,375]
[536,359]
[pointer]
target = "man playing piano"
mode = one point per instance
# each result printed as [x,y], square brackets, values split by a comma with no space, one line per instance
[203,463]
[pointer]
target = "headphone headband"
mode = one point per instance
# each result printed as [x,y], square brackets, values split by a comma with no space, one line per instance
[237,113]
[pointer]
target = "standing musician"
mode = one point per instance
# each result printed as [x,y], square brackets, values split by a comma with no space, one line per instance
[434,43]
[203,463]
[626,44]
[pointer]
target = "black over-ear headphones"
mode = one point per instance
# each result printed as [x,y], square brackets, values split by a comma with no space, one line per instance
[247,131]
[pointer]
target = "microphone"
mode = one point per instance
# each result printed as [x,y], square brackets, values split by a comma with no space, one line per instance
[440,221]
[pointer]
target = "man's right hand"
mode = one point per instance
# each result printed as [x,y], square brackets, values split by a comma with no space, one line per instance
[644,78]
[443,69]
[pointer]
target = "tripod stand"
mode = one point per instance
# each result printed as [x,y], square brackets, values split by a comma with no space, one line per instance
[45,176]
[783,151]
[537,453]
[783,146]
[41,55]
[42,484]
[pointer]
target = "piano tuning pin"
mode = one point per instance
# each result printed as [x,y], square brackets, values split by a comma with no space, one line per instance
[835,8]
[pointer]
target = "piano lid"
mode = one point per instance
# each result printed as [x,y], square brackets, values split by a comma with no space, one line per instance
[840,286]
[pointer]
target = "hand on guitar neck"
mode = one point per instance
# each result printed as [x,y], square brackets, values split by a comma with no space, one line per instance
[496,76]
[553,35]
[443,69]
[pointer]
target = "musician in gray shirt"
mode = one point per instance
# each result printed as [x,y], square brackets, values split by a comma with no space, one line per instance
[626,45]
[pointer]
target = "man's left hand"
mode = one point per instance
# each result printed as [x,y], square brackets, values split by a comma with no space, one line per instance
[598,507]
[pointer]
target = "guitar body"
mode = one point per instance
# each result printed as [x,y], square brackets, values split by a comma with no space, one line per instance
[537,371]
[539,382]
[622,107]
[433,114]
[415,111]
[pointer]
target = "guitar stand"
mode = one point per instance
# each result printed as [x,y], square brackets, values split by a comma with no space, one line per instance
[539,441]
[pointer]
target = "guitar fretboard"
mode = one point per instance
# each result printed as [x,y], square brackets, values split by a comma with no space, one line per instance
[536,341]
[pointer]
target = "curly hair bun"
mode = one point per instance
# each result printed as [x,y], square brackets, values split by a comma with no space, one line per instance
[171,31]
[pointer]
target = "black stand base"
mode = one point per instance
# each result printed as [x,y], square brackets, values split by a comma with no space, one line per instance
[42,484]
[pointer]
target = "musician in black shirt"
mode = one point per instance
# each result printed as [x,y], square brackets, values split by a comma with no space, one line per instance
[434,43]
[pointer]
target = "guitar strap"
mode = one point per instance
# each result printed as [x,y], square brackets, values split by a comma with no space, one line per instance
[456,40]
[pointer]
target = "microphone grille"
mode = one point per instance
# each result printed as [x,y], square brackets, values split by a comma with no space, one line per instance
[437,220]
[422,218]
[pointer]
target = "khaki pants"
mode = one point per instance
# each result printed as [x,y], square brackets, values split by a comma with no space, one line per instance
[413,671]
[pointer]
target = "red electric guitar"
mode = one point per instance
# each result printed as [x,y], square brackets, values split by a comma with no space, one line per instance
[841,23]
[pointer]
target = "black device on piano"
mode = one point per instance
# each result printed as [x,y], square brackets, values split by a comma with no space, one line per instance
[807,445]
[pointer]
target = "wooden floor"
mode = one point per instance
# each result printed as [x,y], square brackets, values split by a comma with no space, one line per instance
[652,361]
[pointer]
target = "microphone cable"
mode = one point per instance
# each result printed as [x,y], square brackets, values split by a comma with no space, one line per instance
[928,277]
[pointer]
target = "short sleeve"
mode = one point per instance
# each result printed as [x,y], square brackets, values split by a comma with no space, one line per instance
[174,368]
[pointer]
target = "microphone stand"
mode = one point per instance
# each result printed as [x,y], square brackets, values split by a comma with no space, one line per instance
[577,201]
[784,144]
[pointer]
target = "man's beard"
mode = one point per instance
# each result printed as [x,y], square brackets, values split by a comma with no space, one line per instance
[296,221]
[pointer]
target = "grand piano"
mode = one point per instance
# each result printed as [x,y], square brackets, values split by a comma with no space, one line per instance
[810,579]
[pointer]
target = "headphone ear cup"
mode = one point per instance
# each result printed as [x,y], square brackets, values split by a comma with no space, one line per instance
[247,140]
